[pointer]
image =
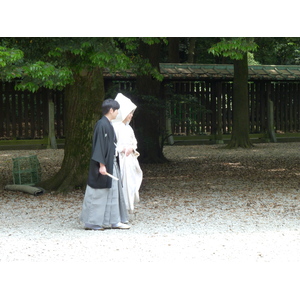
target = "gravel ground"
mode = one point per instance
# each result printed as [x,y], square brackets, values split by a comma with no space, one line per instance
[209,204]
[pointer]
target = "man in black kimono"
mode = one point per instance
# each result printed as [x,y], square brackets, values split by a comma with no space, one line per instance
[103,205]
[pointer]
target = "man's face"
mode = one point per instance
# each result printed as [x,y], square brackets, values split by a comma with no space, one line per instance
[114,114]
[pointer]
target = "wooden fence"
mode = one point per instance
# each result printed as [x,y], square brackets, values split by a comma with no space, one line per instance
[200,116]
[196,108]
[24,115]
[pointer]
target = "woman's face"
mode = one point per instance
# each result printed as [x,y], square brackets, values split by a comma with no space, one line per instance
[128,118]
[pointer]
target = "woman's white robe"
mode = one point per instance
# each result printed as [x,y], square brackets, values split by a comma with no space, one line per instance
[131,173]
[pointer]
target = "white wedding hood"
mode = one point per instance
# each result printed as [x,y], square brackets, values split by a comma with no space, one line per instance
[126,106]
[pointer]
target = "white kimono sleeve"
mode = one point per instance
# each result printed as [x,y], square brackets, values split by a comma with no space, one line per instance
[131,173]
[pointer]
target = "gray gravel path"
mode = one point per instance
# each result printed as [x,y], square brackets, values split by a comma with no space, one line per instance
[215,222]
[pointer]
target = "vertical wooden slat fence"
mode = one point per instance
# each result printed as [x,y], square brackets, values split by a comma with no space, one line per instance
[226,107]
[24,115]
[285,95]
[286,98]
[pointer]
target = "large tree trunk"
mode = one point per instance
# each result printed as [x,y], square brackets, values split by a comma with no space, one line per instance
[240,106]
[148,116]
[173,50]
[83,102]
[173,57]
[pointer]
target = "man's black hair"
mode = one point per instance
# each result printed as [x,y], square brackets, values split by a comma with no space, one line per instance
[108,104]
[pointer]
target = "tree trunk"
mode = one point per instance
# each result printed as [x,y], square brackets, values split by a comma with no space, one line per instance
[240,106]
[83,102]
[191,51]
[173,57]
[148,116]
[173,50]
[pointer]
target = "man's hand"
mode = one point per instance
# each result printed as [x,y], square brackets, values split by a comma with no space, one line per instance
[102,169]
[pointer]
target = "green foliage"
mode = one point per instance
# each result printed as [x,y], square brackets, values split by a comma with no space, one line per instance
[144,67]
[251,59]
[132,43]
[151,40]
[278,50]
[9,56]
[53,62]
[235,48]
[138,64]
[44,74]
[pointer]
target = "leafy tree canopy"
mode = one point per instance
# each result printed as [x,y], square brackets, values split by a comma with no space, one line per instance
[278,50]
[235,48]
[52,62]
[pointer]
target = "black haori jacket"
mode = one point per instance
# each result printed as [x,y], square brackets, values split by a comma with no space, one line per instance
[103,151]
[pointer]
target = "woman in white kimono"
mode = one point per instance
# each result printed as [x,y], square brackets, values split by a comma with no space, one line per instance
[131,173]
